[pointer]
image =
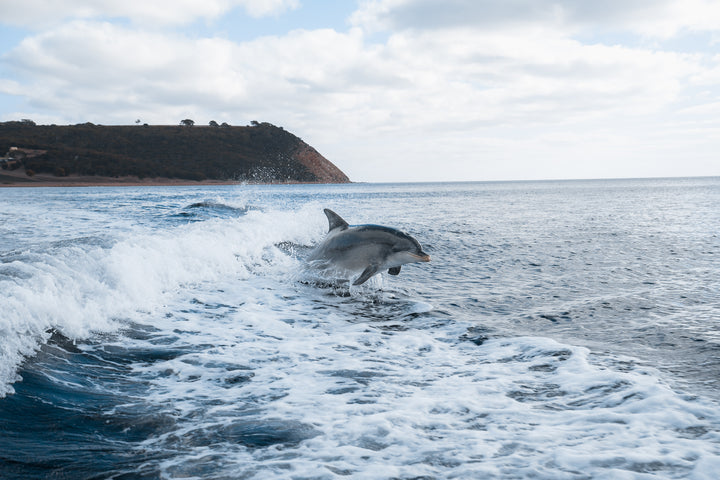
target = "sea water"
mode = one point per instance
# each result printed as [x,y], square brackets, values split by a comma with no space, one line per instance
[563,330]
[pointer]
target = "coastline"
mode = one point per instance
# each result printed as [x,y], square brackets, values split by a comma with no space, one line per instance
[18,178]
[88,154]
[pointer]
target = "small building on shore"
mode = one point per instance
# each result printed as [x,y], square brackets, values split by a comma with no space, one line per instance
[15,157]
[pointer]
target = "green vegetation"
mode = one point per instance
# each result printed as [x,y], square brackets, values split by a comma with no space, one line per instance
[261,152]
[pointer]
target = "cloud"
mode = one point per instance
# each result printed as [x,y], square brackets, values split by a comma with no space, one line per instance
[460,78]
[101,70]
[662,18]
[105,70]
[425,92]
[46,13]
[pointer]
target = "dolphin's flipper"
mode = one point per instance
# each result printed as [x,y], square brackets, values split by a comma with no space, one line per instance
[366,274]
[335,220]
[394,271]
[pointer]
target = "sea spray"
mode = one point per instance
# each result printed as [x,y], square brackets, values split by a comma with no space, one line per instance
[78,289]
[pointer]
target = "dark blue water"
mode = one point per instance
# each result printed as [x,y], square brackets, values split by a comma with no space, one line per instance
[562,330]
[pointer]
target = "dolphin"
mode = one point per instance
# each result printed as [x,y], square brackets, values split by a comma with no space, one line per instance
[368,249]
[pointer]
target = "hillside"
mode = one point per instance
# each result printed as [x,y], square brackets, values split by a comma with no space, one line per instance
[261,153]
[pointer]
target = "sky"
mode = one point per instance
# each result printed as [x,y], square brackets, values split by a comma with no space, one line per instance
[391,90]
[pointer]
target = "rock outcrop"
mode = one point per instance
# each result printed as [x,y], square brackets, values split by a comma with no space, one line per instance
[324,170]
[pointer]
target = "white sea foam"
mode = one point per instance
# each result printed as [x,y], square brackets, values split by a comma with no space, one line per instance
[76,289]
[338,396]
[258,374]
[374,402]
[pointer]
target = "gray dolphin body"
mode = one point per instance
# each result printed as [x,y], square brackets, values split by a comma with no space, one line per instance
[368,249]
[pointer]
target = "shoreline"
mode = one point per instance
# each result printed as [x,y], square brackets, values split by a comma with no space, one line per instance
[14,179]
[159,155]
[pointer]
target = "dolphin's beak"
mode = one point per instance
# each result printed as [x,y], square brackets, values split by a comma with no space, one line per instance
[422,258]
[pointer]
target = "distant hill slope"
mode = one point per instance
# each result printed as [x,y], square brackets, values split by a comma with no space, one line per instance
[258,153]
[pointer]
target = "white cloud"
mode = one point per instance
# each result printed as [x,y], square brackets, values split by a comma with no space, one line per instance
[490,103]
[45,13]
[662,18]
[101,69]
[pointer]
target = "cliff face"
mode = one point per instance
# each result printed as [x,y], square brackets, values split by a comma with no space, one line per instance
[260,153]
[322,168]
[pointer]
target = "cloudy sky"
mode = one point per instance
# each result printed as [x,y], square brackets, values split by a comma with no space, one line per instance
[391,90]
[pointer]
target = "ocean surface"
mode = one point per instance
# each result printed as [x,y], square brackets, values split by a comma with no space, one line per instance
[563,330]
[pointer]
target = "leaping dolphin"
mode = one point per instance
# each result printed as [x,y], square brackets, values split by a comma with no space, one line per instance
[368,249]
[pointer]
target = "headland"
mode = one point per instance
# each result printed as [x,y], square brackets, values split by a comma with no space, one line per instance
[89,154]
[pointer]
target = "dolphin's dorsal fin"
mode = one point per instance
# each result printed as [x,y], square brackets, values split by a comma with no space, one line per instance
[335,220]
